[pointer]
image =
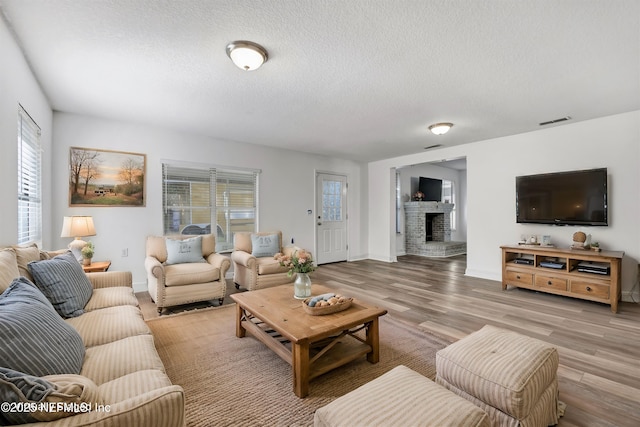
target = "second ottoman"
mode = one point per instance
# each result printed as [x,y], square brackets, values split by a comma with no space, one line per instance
[510,376]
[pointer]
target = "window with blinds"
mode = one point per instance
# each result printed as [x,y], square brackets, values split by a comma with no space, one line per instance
[200,200]
[29,180]
[449,195]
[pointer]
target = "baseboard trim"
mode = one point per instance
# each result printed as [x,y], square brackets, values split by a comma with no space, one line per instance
[482,274]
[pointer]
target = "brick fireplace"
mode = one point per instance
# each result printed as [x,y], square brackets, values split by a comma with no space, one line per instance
[428,230]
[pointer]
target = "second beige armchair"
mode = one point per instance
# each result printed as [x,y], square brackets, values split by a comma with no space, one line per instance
[254,266]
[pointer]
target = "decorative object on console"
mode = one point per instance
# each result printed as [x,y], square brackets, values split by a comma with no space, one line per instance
[77,227]
[579,240]
[595,246]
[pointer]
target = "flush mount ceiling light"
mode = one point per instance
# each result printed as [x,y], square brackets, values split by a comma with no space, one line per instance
[247,55]
[440,128]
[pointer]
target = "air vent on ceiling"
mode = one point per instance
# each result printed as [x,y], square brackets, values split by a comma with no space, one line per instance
[550,122]
[432,146]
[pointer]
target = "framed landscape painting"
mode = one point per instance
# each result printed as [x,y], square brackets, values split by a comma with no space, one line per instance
[106,178]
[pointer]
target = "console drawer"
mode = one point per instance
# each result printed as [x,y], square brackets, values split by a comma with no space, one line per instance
[551,283]
[592,289]
[519,278]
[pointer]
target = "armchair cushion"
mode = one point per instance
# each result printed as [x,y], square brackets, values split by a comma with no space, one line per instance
[265,246]
[183,251]
[64,283]
[189,274]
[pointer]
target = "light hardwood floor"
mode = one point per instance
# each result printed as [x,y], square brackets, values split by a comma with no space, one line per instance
[599,374]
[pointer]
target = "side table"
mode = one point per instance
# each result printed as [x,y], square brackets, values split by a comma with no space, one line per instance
[96,266]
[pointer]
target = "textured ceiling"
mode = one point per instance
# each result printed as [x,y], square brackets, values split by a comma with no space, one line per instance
[357,79]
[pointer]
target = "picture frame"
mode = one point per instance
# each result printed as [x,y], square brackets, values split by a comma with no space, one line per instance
[105,178]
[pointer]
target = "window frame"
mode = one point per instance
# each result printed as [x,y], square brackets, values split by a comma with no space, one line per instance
[218,179]
[453,214]
[29,175]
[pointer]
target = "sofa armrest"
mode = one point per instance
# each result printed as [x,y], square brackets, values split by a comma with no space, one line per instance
[244,258]
[109,279]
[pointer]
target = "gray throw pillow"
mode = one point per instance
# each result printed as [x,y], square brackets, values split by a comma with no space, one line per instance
[63,281]
[183,251]
[265,246]
[35,339]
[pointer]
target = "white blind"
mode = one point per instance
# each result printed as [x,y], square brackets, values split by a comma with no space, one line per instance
[236,204]
[29,180]
[202,200]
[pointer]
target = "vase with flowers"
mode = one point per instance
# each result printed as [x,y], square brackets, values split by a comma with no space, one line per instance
[300,263]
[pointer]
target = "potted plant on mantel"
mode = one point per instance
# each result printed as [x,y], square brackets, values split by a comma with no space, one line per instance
[87,253]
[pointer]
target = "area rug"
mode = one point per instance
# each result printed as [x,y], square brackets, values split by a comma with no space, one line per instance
[230,381]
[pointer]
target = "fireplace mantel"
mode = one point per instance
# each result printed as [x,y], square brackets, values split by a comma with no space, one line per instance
[428,207]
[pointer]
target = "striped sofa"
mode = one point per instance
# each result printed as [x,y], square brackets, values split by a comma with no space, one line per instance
[121,369]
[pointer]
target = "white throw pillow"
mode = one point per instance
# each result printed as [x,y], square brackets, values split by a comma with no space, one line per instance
[184,251]
[264,246]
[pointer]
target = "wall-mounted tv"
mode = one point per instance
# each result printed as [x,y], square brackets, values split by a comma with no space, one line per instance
[431,188]
[563,198]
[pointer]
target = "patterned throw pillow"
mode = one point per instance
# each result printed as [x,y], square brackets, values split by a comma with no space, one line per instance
[63,281]
[263,246]
[183,251]
[35,339]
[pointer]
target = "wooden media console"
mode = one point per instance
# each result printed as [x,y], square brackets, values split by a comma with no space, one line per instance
[576,273]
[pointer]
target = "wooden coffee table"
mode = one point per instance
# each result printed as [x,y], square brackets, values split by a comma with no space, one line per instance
[312,345]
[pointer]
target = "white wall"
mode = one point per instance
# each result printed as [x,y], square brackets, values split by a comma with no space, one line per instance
[612,142]
[286,186]
[409,179]
[18,86]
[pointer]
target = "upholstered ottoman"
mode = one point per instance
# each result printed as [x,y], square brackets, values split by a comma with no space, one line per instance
[512,377]
[400,397]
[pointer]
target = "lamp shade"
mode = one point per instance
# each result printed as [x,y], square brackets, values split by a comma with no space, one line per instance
[78,226]
[247,55]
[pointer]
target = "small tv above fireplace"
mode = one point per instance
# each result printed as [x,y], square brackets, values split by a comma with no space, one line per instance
[431,188]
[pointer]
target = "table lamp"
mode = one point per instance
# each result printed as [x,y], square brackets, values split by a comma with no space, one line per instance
[77,226]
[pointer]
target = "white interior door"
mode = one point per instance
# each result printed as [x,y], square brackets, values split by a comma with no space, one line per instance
[331,218]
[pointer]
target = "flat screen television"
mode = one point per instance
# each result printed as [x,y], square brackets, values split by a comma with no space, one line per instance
[563,198]
[431,188]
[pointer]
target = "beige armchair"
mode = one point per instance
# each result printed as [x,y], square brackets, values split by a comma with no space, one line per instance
[173,284]
[256,272]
